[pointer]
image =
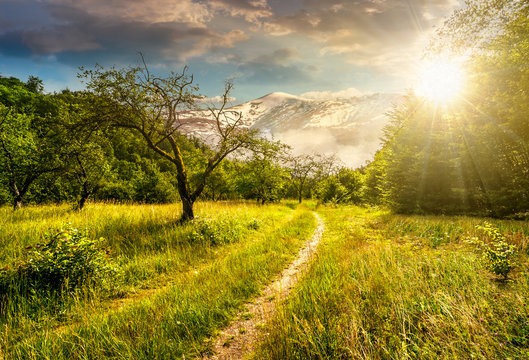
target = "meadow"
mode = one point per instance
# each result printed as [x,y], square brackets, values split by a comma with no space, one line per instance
[381,286]
[178,284]
[387,286]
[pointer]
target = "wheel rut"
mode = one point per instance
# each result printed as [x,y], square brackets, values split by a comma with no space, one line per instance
[241,337]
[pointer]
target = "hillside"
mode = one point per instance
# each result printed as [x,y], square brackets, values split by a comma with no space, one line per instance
[349,127]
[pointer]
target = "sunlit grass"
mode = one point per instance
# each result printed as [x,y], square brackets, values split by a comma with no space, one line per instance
[176,293]
[397,287]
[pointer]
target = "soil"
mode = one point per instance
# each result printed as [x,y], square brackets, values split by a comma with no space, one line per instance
[241,337]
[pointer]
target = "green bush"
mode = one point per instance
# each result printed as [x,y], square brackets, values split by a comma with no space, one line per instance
[253,224]
[215,232]
[67,260]
[496,255]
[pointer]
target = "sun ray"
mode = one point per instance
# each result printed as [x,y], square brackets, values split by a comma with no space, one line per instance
[440,81]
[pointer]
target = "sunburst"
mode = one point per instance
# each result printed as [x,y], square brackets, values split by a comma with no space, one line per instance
[440,81]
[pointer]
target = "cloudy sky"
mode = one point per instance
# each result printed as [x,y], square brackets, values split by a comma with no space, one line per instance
[294,46]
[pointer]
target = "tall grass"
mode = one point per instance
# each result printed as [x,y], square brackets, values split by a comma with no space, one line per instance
[200,284]
[387,287]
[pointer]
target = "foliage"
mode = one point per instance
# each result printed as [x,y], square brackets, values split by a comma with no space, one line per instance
[471,156]
[381,292]
[306,170]
[262,177]
[496,255]
[215,232]
[32,138]
[343,187]
[157,108]
[67,260]
[182,291]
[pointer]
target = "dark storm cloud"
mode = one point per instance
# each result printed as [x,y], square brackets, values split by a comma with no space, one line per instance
[80,33]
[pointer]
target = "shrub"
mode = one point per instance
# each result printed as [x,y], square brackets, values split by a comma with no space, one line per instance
[67,260]
[496,255]
[253,224]
[215,232]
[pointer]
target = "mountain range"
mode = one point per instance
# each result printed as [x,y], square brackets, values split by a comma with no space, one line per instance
[349,127]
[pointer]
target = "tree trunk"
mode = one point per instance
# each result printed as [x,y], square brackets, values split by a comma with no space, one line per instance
[85,194]
[17,202]
[301,183]
[187,198]
[17,197]
[187,209]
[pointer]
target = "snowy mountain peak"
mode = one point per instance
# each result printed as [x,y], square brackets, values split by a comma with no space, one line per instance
[349,127]
[276,98]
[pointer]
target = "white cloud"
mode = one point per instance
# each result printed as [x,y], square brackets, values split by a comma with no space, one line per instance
[252,11]
[216,99]
[323,141]
[152,11]
[343,94]
[378,34]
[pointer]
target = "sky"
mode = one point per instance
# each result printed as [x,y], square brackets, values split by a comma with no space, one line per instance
[319,47]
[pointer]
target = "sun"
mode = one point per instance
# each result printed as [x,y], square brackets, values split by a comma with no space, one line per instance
[440,81]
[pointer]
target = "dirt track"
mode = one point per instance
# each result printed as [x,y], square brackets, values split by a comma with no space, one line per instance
[240,338]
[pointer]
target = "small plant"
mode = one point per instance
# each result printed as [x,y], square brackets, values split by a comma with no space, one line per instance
[215,232]
[497,256]
[68,259]
[253,224]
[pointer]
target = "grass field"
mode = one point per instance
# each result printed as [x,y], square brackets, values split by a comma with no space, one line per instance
[382,286]
[395,287]
[177,290]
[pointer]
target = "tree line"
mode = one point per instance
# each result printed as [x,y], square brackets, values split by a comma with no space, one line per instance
[122,140]
[471,157]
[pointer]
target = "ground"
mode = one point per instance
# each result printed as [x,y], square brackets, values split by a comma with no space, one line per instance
[377,286]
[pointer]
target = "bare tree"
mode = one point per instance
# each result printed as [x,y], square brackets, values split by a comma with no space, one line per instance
[305,167]
[157,108]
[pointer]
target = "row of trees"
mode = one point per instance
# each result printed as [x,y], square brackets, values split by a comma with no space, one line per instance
[473,156]
[122,140]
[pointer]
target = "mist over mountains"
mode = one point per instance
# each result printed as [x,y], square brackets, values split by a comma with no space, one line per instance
[349,127]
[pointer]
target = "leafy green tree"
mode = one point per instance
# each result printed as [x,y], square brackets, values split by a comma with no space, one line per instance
[345,186]
[221,183]
[89,166]
[375,175]
[88,152]
[155,108]
[262,177]
[31,137]
[306,170]
[150,185]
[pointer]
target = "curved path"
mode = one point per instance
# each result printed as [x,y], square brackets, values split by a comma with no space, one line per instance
[240,338]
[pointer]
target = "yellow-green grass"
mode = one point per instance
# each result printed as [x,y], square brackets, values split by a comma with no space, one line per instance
[394,287]
[200,286]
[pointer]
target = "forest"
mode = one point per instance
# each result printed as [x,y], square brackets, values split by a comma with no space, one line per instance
[466,157]
[124,235]
[60,148]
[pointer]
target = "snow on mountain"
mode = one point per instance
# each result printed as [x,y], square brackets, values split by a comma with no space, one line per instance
[349,127]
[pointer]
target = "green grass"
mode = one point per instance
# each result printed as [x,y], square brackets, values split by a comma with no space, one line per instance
[395,287]
[381,286]
[197,286]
